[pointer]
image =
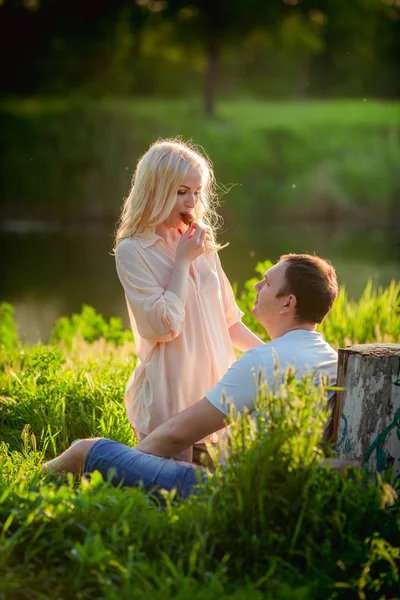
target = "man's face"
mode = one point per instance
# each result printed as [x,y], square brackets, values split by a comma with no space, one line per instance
[267,307]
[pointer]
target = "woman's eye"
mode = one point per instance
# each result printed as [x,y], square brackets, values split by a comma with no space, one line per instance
[181,192]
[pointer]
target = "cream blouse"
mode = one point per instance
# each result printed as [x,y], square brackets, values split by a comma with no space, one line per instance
[183,350]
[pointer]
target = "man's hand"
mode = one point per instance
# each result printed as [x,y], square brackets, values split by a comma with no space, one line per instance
[183,430]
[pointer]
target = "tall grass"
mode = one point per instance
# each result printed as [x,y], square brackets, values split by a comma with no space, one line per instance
[269,523]
[374,318]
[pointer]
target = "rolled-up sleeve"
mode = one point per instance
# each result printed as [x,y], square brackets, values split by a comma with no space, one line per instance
[233,314]
[159,314]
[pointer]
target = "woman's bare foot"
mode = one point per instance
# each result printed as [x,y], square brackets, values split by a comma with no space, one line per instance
[72,460]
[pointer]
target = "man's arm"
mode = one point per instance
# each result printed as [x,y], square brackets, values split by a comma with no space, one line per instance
[183,430]
[209,414]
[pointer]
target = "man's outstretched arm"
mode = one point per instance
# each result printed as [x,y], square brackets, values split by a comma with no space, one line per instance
[209,414]
[183,430]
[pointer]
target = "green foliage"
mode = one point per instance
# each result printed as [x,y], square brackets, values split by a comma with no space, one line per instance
[91,326]
[63,401]
[287,49]
[8,328]
[374,318]
[285,159]
[246,300]
[270,523]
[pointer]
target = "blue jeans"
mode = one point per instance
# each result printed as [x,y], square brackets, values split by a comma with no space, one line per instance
[130,468]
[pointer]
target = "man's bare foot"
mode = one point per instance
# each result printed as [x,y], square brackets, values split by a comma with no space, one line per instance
[72,460]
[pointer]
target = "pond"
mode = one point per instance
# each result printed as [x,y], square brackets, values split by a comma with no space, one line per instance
[50,270]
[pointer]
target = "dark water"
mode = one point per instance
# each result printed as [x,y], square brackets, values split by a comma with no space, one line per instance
[50,271]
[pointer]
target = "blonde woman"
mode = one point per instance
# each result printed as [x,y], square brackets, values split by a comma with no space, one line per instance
[181,306]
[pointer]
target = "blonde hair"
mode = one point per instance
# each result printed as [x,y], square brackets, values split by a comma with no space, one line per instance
[155,184]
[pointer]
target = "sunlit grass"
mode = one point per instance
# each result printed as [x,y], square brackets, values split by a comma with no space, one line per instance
[270,523]
[374,318]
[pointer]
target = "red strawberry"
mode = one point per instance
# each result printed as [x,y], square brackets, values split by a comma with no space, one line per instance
[187,218]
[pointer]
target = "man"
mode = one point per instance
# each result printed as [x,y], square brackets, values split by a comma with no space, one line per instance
[294,296]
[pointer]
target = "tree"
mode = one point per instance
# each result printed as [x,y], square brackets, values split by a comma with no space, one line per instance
[60,44]
[217,23]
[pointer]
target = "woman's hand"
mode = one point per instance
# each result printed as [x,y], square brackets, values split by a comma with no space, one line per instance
[191,244]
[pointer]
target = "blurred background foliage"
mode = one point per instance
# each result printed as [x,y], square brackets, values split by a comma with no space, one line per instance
[295,102]
[74,158]
[277,49]
[87,86]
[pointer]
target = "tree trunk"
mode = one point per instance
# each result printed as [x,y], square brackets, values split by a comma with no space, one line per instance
[211,75]
[367,414]
[303,77]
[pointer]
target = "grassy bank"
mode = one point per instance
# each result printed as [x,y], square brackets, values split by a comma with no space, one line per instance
[74,159]
[271,524]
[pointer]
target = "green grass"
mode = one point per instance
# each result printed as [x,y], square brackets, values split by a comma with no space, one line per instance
[251,115]
[310,159]
[256,113]
[269,524]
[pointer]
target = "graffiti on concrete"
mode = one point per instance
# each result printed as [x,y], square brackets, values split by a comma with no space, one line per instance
[346,447]
[344,444]
[377,444]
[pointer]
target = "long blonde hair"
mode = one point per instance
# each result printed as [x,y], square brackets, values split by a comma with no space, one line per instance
[155,184]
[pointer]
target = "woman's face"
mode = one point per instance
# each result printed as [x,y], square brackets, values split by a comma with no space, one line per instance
[186,200]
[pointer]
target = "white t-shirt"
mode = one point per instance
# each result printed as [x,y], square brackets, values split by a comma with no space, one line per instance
[305,350]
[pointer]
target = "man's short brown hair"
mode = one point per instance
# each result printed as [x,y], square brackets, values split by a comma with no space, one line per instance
[314,283]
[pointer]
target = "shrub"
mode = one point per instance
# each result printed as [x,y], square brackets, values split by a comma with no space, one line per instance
[8,328]
[91,326]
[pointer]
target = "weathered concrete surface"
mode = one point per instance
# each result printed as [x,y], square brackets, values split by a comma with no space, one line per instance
[369,408]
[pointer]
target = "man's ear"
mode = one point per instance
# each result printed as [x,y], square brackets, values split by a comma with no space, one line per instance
[290,304]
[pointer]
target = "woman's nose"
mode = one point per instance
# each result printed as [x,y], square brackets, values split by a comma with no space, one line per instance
[191,200]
